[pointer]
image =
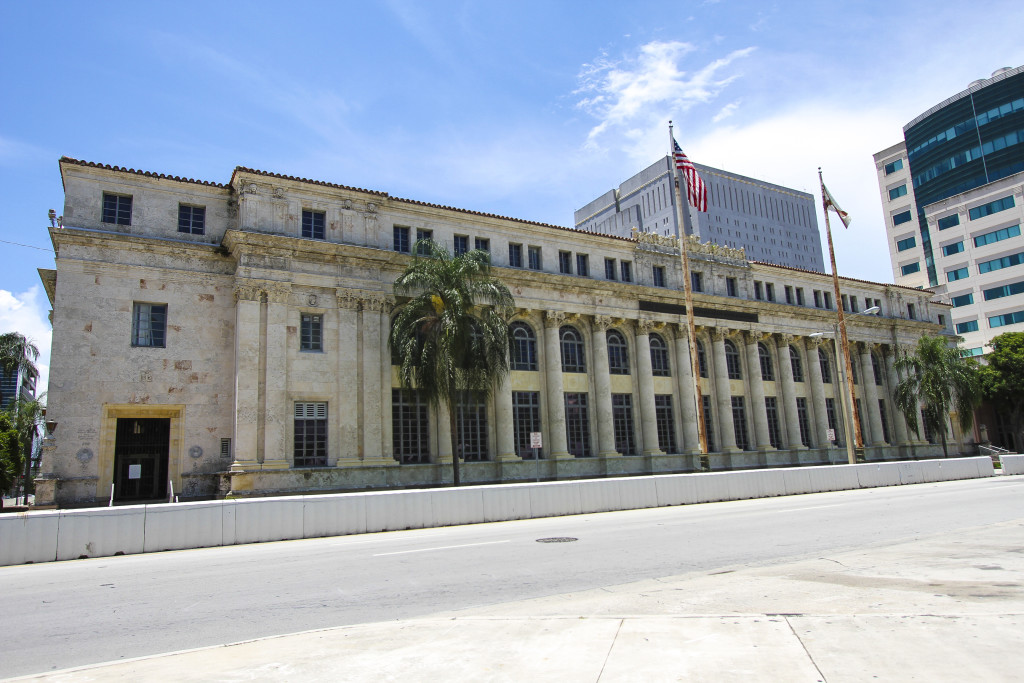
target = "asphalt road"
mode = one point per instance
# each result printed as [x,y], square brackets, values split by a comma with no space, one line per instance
[66,614]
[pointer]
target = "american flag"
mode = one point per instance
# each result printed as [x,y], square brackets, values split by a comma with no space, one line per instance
[696,193]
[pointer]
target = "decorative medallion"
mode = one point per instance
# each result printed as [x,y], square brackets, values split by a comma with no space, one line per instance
[84,455]
[195,452]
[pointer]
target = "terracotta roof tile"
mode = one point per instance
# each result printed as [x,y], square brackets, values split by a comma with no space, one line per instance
[148,174]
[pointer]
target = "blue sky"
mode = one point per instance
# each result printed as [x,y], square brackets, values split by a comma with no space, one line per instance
[527,109]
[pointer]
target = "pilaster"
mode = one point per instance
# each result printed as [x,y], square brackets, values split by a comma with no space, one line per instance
[645,384]
[603,387]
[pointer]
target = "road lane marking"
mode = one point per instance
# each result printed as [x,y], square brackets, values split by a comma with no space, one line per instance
[443,547]
[813,507]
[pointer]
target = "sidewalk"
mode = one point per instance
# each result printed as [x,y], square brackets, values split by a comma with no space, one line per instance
[949,608]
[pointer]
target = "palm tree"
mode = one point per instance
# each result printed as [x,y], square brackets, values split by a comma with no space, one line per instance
[451,338]
[26,415]
[18,355]
[937,377]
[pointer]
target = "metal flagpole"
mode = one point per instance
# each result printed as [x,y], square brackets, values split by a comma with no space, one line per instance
[844,341]
[683,220]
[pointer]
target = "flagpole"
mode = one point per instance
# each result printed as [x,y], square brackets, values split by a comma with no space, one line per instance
[683,220]
[845,343]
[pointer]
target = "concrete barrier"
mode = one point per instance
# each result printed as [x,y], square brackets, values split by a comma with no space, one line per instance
[1012,464]
[68,534]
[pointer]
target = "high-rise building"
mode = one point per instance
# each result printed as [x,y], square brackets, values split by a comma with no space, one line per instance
[953,195]
[771,223]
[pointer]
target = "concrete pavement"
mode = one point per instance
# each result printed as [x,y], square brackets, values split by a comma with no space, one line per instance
[945,608]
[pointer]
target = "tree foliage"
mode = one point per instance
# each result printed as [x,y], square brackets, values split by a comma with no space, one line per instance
[1002,381]
[450,336]
[10,453]
[18,354]
[938,378]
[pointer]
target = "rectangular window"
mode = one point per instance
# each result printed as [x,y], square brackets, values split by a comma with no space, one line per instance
[622,423]
[739,423]
[311,336]
[846,303]
[898,192]
[192,219]
[991,208]
[565,263]
[901,218]
[908,243]
[1000,263]
[421,237]
[461,244]
[958,274]
[696,281]
[582,265]
[830,413]
[730,286]
[803,420]
[525,419]
[954,248]
[976,351]
[313,224]
[817,298]
[482,243]
[666,424]
[969,326]
[626,270]
[709,426]
[533,255]
[911,312]
[769,291]
[659,276]
[771,407]
[799,296]
[911,268]
[225,448]
[577,425]
[853,304]
[997,236]
[758,294]
[949,221]
[610,272]
[885,420]
[401,239]
[963,299]
[310,435]
[893,167]
[828,300]
[515,255]
[149,325]
[410,428]
[471,421]
[1006,319]
[117,209]
[1005,290]
[789,294]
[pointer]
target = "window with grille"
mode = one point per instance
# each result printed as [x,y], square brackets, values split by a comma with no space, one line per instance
[804,422]
[702,359]
[853,370]
[826,369]
[313,224]
[666,424]
[525,419]
[622,423]
[117,209]
[833,424]
[515,256]
[618,354]
[533,254]
[771,406]
[885,420]
[311,332]
[524,348]
[767,371]
[796,364]
[311,434]
[659,356]
[659,276]
[877,370]
[582,265]
[410,430]
[401,239]
[149,325]
[610,273]
[626,270]
[482,243]
[565,262]
[732,361]
[225,448]
[471,421]
[573,359]
[577,425]
[422,237]
[739,423]
[192,219]
[709,426]
[461,244]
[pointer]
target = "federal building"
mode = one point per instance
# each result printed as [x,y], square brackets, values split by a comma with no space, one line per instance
[230,339]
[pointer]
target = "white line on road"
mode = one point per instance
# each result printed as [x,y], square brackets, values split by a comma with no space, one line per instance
[813,507]
[443,547]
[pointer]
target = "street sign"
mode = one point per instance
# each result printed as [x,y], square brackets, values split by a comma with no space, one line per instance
[135,471]
[831,434]
[535,440]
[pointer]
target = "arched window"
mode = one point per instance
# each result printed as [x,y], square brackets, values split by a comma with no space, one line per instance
[618,354]
[798,366]
[659,356]
[826,369]
[767,372]
[877,370]
[702,359]
[732,360]
[524,347]
[573,358]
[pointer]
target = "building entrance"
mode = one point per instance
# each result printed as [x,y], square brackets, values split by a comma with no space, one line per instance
[140,458]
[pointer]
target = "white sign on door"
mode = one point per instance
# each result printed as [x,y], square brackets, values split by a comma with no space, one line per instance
[535,440]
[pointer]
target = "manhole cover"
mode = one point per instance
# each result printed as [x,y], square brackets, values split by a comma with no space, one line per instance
[557,539]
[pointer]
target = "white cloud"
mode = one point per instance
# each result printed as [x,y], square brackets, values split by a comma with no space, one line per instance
[726,111]
[26,313]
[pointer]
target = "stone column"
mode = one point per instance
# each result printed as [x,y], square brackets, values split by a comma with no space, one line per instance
[817,395]
[444,434]
[603,387]
[346,398]
[899,424]
[688,398]
[504,427]
[758,410]
[369,327]
[793,441]
[247,376]
[870,402]
[555,438]
[645,383]
[276,453]
[387,444]
[726,432]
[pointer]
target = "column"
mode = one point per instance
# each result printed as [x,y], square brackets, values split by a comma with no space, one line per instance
[555,439]
[276,453]
[387,444]
[793,441]
[758,411]
[870,402]
[645,383]
[899,424]
[346,399]
[247,367]
[688,397]
[603,388]
[504,428]
[369,329]
[817,395]
[444,434]
[726,432]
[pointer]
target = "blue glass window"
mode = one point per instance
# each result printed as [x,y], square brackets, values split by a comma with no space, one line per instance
[991,208]
[911,268]
[1005,290]
[313,224]
[962,300]
[401,239]
[909,243]
[958,274]
[949,221]
[969,326]
[1006,319]
[1000,263]
[954,248]
[461,244]
[901,218]
[976,351]
[997,236]
[893,167]
[897,192]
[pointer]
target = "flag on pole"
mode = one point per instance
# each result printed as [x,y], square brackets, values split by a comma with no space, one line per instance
[830,203]
[696,193]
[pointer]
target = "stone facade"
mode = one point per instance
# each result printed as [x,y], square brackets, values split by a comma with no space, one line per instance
[259,356]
